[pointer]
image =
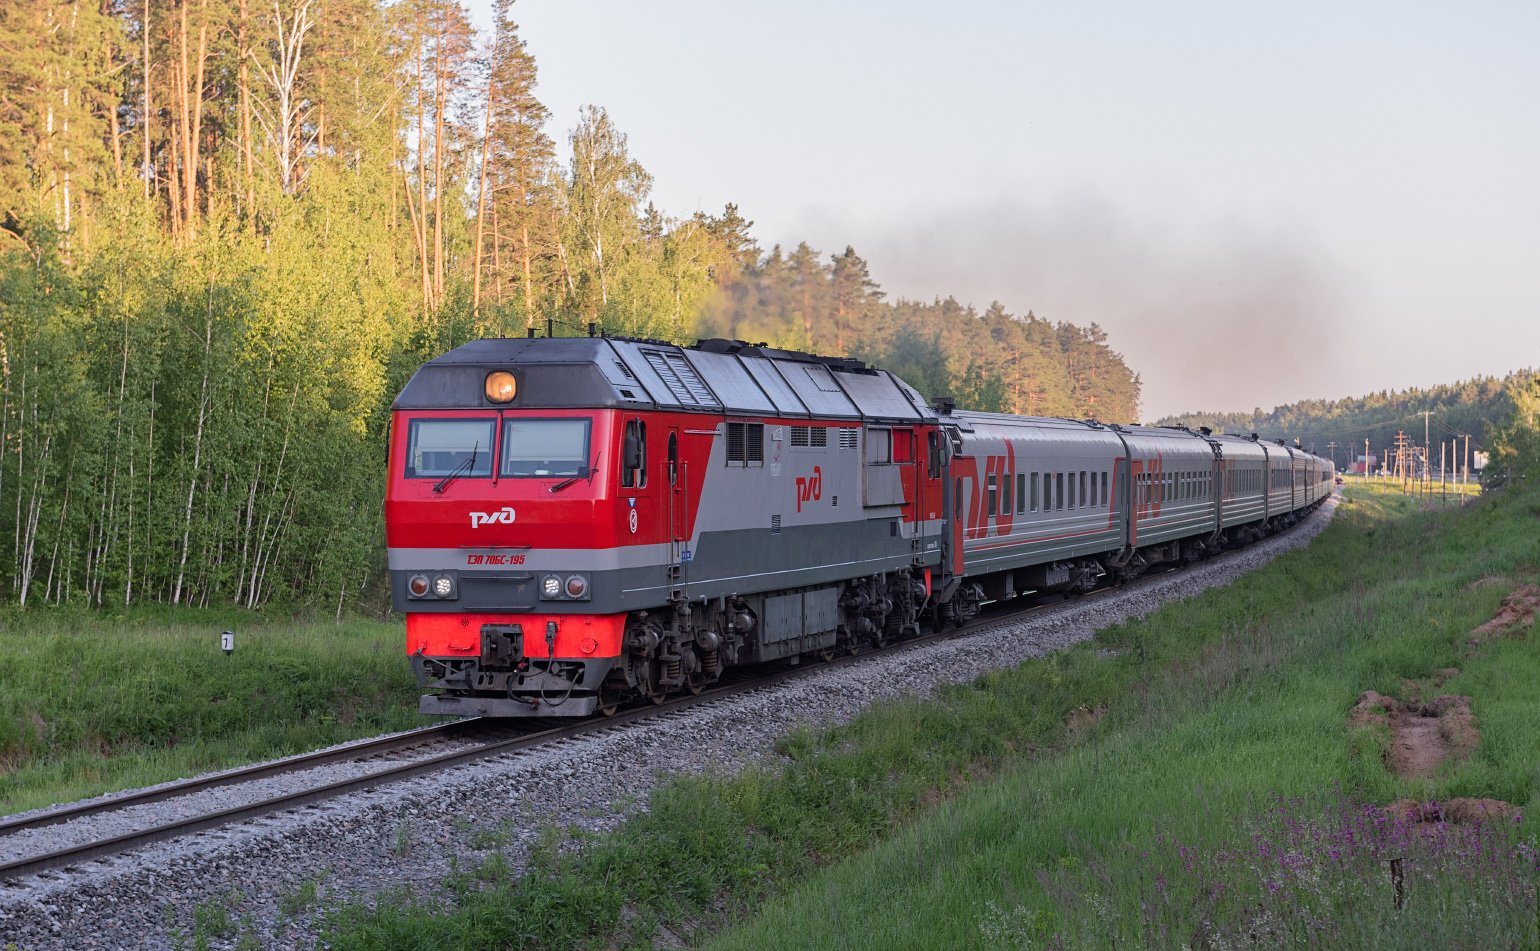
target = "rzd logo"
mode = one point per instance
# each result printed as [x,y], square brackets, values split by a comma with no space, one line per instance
[503,515]
[810,489]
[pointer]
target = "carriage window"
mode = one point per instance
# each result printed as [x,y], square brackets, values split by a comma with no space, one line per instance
[1104,489]
[992,493]
[1047,491]
[1071,490]
[1058,492]
[673,458]
[1084,499]
[1005,494]
[441,447]
[635,435]
[1021,492]
[933,447]
[538,448]
[1033,482]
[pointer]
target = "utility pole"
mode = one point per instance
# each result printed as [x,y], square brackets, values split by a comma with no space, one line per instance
[1332,448]
[1366,460]
[1467,459]
[1427,445]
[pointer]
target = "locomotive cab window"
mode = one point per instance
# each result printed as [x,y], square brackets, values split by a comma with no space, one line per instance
[544,448]
[633,455]
[439,447]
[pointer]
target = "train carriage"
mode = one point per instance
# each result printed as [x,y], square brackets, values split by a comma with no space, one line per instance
[1243,503]
[1036,498]
[1172,477]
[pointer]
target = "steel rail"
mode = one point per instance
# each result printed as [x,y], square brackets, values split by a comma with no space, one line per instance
[356,750]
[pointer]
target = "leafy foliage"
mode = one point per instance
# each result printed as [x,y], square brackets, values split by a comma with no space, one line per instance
[1471,407]
[229,233]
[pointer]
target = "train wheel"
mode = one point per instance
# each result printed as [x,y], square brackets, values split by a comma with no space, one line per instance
[611,695]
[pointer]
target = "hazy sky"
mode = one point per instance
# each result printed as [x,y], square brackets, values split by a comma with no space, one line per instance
[1258,202]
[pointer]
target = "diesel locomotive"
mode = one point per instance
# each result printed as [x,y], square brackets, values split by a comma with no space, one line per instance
[575,523]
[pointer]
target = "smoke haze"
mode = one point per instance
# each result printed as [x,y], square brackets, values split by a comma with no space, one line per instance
[1225,317]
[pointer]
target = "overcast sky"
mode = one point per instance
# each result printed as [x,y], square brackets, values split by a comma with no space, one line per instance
[1258,202]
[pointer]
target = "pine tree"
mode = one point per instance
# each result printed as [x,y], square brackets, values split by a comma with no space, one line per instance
[517,164]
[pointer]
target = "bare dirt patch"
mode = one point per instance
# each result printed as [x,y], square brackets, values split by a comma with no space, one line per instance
[1427,816]
[1513,618]
[1422,735]
[1082,718]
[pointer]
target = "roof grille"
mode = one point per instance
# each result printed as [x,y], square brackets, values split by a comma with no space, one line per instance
[680,378]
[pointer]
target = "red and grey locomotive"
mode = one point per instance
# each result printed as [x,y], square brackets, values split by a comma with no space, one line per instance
[576,522]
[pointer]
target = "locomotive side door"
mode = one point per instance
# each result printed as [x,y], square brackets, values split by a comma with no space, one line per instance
[678,510]
[931,503]
[908,477]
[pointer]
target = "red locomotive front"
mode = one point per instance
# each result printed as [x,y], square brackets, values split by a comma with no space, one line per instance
[575,522]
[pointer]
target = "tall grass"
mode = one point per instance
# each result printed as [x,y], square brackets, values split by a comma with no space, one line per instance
[1058,803]
[91,703]
[1166,829]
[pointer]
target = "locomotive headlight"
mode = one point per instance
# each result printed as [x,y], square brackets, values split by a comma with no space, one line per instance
[577,586]
[443,586]
[501,386]
[417,586]
[550,587]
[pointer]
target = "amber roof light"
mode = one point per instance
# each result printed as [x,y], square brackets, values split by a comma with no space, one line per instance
[501,386]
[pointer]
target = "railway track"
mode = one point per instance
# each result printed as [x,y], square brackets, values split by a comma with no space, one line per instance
[480,740]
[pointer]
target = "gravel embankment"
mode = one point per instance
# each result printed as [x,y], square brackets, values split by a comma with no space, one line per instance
[263,874]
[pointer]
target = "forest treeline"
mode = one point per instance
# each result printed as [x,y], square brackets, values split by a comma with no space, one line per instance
[1478,408]
[229,231]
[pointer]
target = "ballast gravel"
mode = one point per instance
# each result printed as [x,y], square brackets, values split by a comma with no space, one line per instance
[264,881]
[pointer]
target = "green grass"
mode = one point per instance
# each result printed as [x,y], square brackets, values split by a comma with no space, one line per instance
[983,817]
[92,703]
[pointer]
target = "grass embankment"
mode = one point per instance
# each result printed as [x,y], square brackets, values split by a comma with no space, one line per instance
[92,703]
[1185,779]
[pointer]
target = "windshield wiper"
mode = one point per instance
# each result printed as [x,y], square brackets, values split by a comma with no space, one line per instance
[588,474]
[459,470]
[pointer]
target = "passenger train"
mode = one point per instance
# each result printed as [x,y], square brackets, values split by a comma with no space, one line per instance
[575,523]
